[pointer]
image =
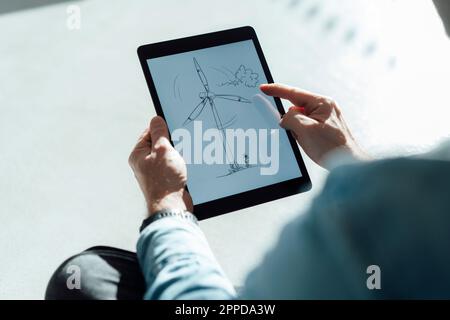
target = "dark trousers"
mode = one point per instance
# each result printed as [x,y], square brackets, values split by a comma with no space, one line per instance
[105,273]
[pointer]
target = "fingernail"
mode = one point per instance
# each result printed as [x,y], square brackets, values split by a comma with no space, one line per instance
[299,109]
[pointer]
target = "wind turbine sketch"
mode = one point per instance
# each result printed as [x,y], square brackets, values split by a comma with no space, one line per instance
[207,97]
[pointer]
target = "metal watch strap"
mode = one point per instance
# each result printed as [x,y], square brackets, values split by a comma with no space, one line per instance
[183,214]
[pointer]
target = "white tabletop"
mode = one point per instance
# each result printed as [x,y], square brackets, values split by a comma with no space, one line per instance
[72,103]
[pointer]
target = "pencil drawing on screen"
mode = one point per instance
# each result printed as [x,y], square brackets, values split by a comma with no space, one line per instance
[243,76]
[208,101]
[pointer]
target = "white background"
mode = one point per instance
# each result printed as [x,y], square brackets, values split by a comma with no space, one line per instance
[72,104]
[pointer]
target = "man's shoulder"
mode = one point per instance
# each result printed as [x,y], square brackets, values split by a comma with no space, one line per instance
[401,190]
[392,213]
[392,173]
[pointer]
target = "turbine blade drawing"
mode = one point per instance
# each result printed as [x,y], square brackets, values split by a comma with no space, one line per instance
[201,75]
[196,112]
[230,122]
[232,98]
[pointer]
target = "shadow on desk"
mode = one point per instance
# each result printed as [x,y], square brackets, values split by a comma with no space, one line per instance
[17,5]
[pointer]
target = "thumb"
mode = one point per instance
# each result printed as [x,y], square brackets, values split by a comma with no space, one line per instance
[159,133]
[296,121]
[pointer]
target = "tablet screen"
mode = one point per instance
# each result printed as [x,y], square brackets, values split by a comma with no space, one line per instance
[220,121]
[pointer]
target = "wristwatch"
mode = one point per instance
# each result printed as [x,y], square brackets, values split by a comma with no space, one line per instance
[165,213]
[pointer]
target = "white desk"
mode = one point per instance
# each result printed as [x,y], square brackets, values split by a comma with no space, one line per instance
[72,104]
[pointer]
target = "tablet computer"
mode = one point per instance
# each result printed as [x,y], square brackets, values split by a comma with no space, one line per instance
[206,87]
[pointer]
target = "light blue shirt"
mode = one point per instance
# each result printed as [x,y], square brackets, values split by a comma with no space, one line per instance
[177,263]
[394,214]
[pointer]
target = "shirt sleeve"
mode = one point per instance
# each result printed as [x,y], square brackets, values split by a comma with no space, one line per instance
[177,263]
[389,214]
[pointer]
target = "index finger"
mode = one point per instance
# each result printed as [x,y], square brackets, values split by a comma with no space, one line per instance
[298,97]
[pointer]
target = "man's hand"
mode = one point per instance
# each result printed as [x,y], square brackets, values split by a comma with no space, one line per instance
[160,170]
[318,126]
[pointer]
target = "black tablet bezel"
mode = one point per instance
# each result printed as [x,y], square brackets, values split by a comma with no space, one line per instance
[248,198]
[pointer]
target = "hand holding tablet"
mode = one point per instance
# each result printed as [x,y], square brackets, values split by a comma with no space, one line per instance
[207,89]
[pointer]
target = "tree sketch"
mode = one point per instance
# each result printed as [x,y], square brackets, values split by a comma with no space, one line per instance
[242,76]
[208,97]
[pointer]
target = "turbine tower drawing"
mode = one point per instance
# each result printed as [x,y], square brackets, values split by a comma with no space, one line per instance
[207,97]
